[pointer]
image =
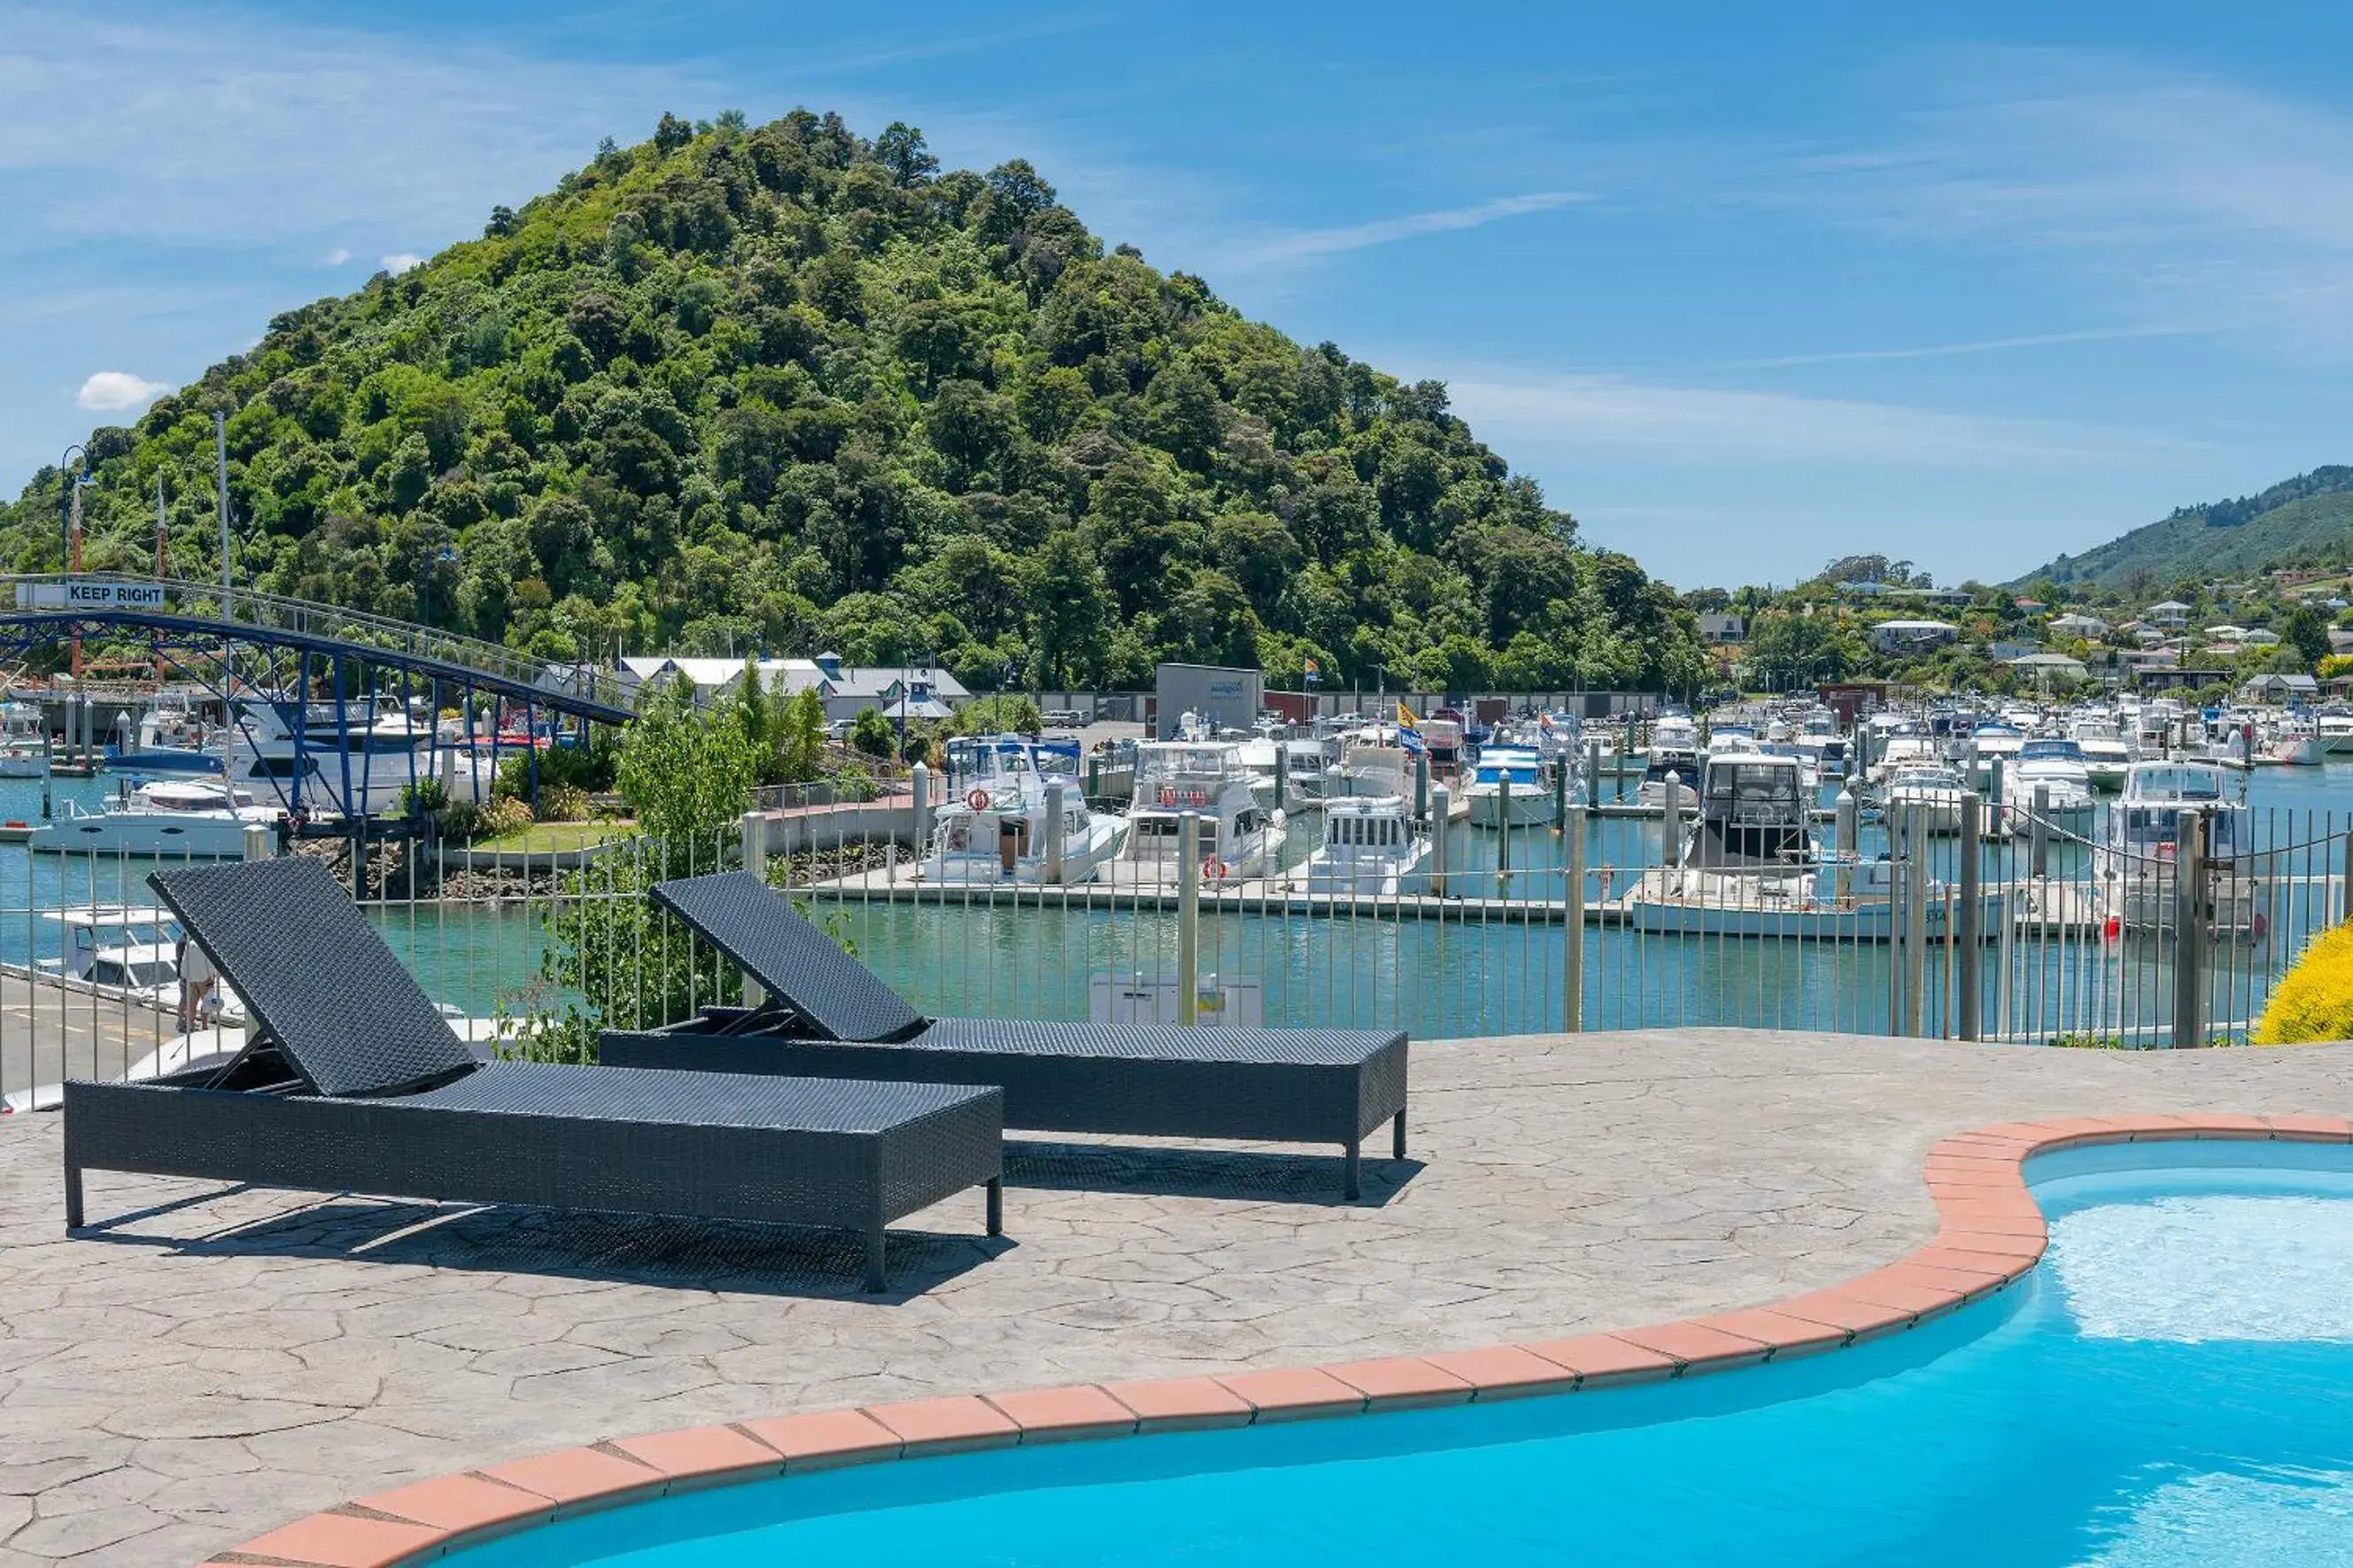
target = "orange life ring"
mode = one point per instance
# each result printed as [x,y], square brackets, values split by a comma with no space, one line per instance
[1215,869]
[978,800]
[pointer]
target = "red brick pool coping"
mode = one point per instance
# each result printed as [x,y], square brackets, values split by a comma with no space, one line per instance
[1990,1232]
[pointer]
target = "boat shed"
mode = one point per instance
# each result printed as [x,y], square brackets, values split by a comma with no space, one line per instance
[1228,697]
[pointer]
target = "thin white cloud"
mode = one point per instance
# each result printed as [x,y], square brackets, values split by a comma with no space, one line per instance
[1313,242]
[109,391]
[401,261]
[1977,346]
[1702,424]
[337,255]
[216,128]
[2168,193]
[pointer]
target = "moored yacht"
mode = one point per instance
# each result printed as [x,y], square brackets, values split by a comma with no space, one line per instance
[1930,788]
[2136,863]
[1000,826]
[2056,768]
[1371,849]
[175,818]
[1237,837]
[1509,787]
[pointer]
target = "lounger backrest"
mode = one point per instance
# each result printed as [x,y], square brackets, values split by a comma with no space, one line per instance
[798,964]
[315,976]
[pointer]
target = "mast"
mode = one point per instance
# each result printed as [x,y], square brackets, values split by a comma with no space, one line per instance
[163,535]
[220,497]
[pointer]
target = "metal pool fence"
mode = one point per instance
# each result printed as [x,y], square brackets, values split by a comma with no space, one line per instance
[1989,923]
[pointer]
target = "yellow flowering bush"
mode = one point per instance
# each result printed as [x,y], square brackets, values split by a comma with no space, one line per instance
[2313,1001]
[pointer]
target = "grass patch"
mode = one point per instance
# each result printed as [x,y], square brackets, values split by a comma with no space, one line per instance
[551,837]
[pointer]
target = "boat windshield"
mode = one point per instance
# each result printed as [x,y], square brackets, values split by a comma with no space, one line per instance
[2176,784]
[1752,791]
[2068,751]
[1357,829]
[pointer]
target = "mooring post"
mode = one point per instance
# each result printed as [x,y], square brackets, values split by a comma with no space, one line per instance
[1282,776]
[1673,822]
[919,809]
[1572,920]
[1421,785]
[2189,931]
[1845,835]
[2039,833]
[1055,798]
[1593,774]
[1970,934]
[1188,915]
[752,832]
[1915,925]
[1442,805]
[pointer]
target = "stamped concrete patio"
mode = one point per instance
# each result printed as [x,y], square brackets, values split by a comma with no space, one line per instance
[215,1362]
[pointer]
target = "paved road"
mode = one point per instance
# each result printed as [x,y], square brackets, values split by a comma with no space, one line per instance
[48,1034]
[221,1360]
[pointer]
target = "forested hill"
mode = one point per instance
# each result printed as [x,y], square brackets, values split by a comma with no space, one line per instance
[793,389]
[2308,519]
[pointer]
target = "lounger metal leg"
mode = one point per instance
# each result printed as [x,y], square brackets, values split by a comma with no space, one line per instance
[996,1206]
[73,1197]
[1352,1188]
[876,1279]
[1396,1137]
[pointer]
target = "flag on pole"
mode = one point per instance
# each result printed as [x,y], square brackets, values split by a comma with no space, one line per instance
[1409,730]
[1309,673]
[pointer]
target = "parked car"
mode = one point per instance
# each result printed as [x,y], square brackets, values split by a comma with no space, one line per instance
[1063,717]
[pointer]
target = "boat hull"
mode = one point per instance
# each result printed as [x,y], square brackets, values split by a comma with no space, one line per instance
[1527,809]
[164,835]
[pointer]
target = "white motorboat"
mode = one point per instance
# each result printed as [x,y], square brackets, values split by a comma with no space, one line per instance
[1932,789]
[24,744]
[314,754]
[1000,826]
[1755,818]
[173,818]
[1678,762]
[2107,755]
[2295,742]
[1237,838]
[1752,868]
[2056,768]
[2135,865]
[2335,725]
[1509,787]
[1371,849]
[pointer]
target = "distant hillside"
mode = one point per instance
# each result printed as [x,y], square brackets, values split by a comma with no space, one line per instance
[2308,519]
[788,388]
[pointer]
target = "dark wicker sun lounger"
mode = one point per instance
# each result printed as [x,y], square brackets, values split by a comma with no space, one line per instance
[824,1013]
[352,1081]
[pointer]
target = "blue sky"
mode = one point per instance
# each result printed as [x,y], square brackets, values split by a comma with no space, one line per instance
[1745,287]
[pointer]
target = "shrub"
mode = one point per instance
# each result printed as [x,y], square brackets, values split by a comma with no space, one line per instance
[460,819]
[426,797]
[562,803]
[502,816]
[2313,1001]
[871,734]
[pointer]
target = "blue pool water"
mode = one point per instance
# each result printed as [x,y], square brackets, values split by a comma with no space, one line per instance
[2174,1386]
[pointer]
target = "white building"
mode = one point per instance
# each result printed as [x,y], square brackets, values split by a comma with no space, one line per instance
[2075,624]
[1892,636]
[844,690]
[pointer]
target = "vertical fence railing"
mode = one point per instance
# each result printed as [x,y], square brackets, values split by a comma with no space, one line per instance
[2051,930]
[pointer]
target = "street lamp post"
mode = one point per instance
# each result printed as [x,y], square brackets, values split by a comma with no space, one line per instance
[70,504]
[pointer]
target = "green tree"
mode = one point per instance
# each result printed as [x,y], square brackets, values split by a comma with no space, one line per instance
[800,738]
[2303,629]
[871,734]
[686,772]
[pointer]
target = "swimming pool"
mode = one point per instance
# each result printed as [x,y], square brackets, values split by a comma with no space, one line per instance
[2170,1388]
